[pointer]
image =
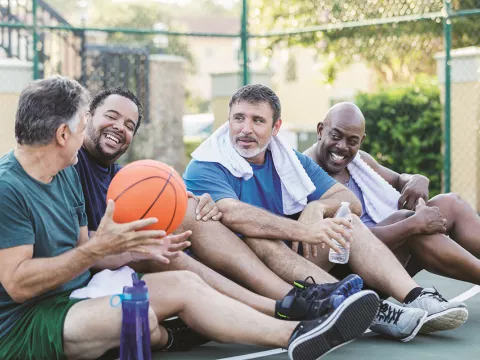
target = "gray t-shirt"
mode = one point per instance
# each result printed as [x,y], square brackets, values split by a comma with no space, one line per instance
[47,216]
[366,219]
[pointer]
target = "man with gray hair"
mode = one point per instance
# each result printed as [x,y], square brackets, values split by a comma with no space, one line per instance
[45,254]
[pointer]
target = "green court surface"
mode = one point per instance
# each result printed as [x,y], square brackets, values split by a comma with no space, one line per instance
[460,344]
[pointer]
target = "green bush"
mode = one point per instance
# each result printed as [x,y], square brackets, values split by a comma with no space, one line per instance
[404,129]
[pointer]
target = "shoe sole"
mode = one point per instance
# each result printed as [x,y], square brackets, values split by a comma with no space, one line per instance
[345,324]
[446,320]
[421,322]
[352,284]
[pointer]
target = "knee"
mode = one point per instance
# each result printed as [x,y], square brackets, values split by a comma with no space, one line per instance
[190,217]
[445,200]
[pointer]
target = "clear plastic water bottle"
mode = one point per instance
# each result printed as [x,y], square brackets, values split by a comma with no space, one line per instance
[135,337]
[342,258]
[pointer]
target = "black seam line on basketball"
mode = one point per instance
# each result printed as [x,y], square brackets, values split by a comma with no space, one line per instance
[155,167]
[136,183]
[175,212]
[160,193]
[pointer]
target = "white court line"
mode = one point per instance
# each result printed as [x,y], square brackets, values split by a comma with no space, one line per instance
[256,355]
[462,297]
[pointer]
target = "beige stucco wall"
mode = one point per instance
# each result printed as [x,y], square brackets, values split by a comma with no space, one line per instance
[8,104]
[465,121]
[306,100]
[14,75]
[212,55]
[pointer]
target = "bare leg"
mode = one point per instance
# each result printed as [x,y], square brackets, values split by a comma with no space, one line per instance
[93,326]
[375,263]
[220,249]
[463,223]
[218,282]
[441,255]
[286,263]
[187,295]
[438,253]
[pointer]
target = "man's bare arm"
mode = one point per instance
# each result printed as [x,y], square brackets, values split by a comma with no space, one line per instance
[25,278]
[254,222]
[394,235]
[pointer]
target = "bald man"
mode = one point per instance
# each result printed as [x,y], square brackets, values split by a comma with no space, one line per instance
[438,234]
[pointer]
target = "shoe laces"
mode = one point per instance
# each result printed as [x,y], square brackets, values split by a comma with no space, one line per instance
[309,291]
[434,294]
[387,314]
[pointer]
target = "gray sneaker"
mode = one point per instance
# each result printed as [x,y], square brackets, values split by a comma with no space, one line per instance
[398,322]
[442,314]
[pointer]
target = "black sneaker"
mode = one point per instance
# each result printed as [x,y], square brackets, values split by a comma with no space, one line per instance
[308,300]
[182,337]
[313,339]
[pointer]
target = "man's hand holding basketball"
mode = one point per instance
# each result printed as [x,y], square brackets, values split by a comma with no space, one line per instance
[112,238]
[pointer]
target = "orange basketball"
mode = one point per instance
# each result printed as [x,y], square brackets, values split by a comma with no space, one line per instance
[149,188]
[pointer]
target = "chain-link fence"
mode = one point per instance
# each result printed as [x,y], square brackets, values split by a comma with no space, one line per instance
[411,65]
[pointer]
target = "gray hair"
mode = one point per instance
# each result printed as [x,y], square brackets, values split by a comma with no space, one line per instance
[255,94]
[45,105]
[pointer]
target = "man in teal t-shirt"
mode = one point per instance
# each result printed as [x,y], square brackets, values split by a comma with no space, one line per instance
[38,210]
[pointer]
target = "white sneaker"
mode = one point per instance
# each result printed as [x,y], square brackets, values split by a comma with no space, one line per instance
[398,322]
[442,314]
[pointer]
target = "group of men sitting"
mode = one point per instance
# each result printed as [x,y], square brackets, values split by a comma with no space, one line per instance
[258,229]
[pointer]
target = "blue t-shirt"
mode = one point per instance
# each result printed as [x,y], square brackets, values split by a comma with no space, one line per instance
[263,189]
[95,180]
[46,216]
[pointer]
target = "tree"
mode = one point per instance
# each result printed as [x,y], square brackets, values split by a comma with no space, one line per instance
[396,51]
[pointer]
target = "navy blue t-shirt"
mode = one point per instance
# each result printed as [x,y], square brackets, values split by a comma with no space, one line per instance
[95,180]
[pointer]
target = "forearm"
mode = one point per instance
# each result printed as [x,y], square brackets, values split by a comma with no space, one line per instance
[115,261]
[395,235]
[403,179]
[254,222]
[34,277]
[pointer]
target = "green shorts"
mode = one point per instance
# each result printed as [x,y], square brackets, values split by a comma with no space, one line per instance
[38,334]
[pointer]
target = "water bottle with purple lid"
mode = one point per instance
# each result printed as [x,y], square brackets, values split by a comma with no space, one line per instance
[135,337]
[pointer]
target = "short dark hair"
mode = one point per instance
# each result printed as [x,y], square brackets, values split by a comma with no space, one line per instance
[46,104]
[255,94]
[100,98]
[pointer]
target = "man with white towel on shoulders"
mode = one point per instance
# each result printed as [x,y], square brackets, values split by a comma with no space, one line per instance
[259,183]
[439,234]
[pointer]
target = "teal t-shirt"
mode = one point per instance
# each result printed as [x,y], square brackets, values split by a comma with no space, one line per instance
[47,216]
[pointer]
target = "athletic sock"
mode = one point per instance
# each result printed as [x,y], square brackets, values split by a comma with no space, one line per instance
[412,295]
[169,341]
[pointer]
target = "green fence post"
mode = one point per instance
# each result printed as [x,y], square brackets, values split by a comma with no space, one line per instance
[36,70]
[244,36]
[447,31]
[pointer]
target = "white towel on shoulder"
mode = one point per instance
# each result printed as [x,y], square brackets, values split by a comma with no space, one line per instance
[105,283]
[381,198]
[296,184]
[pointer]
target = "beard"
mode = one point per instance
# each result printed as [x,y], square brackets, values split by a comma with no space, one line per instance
[250,153]
[95,138]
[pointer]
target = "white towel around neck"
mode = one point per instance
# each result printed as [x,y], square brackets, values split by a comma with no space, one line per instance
[381,198]
[296,184]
